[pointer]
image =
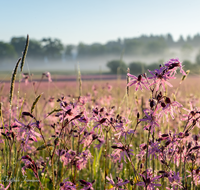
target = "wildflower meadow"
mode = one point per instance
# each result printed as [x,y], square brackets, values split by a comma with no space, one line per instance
[142,133]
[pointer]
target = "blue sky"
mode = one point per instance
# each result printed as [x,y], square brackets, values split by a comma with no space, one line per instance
[89,21]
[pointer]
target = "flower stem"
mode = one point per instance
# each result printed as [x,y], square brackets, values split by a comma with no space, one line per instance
[106,158]
[146,164]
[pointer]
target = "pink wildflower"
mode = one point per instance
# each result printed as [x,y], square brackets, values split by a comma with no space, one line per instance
[83,159]
[169,107]
[139,81]
[117,184]
[48,75]
[25,77]
[101,142]
[175,180]
[160,77]
[67,185]
[173,64]
[121,151]
[151,119]
[193,114]
[150,181]
[196,176]
[27,131]
[87,185]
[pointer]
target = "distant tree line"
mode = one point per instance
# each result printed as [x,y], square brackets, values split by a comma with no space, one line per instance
[143,45]
[47,47]
[55,49]
[137,67]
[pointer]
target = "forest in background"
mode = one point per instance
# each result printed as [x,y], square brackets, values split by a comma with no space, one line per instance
[47,51]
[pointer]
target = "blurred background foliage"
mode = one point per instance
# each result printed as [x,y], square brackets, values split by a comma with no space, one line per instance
[49,50]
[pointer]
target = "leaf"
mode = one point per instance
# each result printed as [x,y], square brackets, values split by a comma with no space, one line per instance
[0,109]
[1,115]
[96,161]
[27,114]
[55,110]
[194,148]
[24,53]
[43,147]
[35,102]
[185,76]
[13,81]
[4,135]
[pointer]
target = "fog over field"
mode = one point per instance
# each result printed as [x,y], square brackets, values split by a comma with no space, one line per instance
[52,55]
[98,63]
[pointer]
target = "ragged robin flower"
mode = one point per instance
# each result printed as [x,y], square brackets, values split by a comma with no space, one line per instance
[139,81]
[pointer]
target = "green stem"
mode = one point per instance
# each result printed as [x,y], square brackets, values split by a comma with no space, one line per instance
[52,170]
[153,161]
[185,180]
[75,170]
[146,164]
[193,186]
[106,146]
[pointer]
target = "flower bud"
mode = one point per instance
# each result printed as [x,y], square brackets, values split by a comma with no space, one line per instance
[167,100]
[163,104]
[139,77]
[56,141]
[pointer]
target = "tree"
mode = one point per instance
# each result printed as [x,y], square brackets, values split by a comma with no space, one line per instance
[91,50]
[7,51]
[196,40]
[52,48]
[69,49]
[180,41]
[153,66]
[133,46]
[156,46]
[35,49]
[18,44]
[189,39]
[114,47]
[117,65]
[170,40]
[83,49]
[136,67]
[198,59]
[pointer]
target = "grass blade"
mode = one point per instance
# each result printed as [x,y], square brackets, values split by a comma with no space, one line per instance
[55,110]
[13,81]
[24,53]
[35,102]
[1,115]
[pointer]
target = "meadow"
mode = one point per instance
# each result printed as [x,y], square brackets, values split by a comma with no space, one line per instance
[138,133]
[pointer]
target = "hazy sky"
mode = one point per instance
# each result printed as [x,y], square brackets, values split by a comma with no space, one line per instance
[89,21]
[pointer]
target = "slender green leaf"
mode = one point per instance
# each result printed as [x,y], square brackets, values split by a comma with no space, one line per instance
[35,102]
[13,81]
[24,53]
